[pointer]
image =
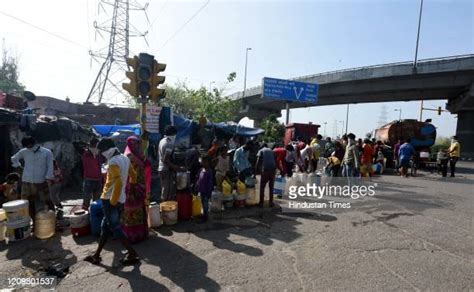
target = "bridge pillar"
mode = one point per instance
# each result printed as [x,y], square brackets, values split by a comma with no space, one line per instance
[463,106]
[465,133]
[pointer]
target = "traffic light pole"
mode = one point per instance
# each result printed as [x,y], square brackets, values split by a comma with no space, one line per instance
[143,114]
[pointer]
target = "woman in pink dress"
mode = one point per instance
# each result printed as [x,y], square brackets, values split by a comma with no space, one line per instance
[134,216]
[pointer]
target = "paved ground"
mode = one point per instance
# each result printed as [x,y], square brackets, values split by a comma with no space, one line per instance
[415,234]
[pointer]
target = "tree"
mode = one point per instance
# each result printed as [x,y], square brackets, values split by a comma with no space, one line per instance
[195,103]
[440,143]
[274,130]
[9,73]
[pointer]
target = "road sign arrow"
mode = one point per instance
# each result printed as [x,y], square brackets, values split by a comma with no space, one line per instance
[296,93]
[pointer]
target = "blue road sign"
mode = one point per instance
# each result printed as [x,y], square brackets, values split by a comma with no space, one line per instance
[289,90]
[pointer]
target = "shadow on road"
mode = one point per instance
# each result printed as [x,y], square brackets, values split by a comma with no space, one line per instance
[38,255]
[180,266]
[258,227]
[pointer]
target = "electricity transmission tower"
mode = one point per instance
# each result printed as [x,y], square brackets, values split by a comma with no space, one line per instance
[108,82]
[334,129]
[383,116]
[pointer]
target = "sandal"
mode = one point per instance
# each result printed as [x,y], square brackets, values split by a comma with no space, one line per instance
[127,261]
[93,260]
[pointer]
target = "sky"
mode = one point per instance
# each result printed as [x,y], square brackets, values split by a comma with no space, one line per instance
[288,39]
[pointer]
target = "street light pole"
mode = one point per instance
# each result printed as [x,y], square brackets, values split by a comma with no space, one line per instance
[347,117]
[418,37]
[399,113]
[245,74]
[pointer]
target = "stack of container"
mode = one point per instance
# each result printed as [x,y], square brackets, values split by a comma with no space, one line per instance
[18,221]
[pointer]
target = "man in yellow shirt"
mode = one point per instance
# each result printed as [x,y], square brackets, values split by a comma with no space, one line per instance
[113,197]
[454,152]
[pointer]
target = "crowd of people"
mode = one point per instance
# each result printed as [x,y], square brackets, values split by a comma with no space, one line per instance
[124,184]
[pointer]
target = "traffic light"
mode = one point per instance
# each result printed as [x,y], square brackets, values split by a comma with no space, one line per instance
[132,75]
[145,73]
[439,110]
[157,93]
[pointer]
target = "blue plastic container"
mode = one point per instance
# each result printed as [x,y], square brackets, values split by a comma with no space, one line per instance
[96,214]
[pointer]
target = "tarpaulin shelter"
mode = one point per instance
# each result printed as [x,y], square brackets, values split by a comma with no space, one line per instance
[186,128]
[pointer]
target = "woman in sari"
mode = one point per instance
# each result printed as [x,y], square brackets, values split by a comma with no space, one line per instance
[134,216]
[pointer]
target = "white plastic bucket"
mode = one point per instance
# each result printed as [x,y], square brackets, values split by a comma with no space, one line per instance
[18,230]
[16,210]
[79,219]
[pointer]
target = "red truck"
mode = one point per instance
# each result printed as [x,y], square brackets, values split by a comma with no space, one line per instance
[302,131]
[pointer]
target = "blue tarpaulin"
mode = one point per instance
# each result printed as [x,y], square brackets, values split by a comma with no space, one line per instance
[107,130]
[185,127]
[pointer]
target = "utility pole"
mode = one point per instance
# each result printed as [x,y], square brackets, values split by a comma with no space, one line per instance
[347,117]
[418,37]
[245,74]
[421,111]
[399,113]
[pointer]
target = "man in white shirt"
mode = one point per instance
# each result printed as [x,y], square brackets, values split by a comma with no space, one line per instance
[37,174]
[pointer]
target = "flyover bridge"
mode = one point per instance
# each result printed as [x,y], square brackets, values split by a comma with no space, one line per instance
[447,78]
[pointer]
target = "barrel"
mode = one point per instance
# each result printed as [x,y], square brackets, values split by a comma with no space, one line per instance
[45,224]
[96,215]
[18,230]
[79,222]
[169,212]
[16,210]
[154,216]
[185,204]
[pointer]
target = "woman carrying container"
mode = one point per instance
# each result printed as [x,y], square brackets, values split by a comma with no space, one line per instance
[137,200]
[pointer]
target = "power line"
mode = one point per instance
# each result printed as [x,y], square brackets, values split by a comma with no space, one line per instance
[184,25]
[43,30]
[159,13]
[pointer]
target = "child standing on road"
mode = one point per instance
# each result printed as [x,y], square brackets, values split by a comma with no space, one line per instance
[205,185]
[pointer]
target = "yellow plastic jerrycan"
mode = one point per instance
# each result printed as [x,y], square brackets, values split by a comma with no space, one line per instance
[241,188]
[197,206]
[226,188]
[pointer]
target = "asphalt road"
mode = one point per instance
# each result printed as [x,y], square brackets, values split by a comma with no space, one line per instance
[414,234]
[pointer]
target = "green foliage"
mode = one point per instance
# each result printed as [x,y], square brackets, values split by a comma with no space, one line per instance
[194,103]
[441,143]
[274,130]
[9,74]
